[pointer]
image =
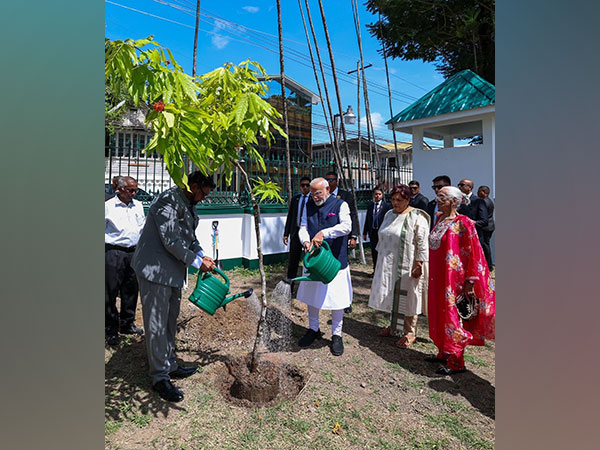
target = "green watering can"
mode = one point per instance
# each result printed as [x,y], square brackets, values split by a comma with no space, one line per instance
[321,265]
[210,293]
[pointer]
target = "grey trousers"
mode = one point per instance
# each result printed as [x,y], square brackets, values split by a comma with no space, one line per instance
[160,308]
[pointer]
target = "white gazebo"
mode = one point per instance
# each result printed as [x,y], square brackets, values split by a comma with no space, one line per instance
[460,114]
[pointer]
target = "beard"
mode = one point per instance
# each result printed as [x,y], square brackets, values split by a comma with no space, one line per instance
[319,202]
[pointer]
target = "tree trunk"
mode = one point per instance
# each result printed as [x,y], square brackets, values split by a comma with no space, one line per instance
[285,108]
[261,269]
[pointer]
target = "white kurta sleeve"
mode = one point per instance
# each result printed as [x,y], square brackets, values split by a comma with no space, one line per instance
[421,239]
[303,232]
[343,228]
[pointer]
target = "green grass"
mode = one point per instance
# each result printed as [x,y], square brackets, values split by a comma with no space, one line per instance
[452,405]
[110,426]
[140,420]
[455,427]
[270,269]
[394,367]
[472,359]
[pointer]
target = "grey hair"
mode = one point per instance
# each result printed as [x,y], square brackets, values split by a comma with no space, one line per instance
[122,181]
[456,194]
[319,183]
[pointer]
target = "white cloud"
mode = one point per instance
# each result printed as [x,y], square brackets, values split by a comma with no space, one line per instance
[220,41]
[251,9]
[376,119]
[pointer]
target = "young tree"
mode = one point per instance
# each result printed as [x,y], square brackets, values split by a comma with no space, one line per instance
[206,118]
[454,34]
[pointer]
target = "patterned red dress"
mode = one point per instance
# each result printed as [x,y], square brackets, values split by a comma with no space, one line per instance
[455,255]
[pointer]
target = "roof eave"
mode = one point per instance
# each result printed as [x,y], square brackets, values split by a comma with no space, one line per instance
[407,126]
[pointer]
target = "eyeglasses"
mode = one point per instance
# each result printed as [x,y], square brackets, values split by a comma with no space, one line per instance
[329,180]
[461,184]
[413,188]
[435,187]
[131,191]
[304,184]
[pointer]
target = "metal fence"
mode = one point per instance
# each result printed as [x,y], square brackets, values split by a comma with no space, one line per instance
[152,176]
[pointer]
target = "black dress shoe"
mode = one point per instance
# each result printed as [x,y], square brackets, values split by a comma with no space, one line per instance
[445,371]
[132,329]
[337,346]
[182,372]
[113,340]
[309,337]
[167,391]
[348,310]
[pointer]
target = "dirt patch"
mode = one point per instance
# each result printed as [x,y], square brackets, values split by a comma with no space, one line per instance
[272,382]
[373,396]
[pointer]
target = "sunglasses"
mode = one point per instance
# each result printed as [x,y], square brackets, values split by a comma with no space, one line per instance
[435,187]
[413,188]
[329,180]
[461,184]
[131,191]
[305,184]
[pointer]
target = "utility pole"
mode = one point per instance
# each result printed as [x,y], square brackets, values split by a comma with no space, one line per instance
[358,115]
[196,38]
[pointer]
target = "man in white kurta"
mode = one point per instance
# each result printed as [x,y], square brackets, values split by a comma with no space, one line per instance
[327,218]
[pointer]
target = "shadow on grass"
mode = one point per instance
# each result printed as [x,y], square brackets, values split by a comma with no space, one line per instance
[128,387]
[476,390]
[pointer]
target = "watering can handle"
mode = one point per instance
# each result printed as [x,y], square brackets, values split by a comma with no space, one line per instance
[325,243]
[217,270]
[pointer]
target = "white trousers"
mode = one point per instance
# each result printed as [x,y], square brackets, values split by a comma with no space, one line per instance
[337,319]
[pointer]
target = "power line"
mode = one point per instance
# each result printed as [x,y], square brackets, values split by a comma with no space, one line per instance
[298,57]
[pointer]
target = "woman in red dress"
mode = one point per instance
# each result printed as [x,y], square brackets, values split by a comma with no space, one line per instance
[457,266]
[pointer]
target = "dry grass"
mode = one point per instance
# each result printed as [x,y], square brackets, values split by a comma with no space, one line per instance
[374,396]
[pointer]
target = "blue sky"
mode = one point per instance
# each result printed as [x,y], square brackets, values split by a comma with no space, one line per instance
[236,30]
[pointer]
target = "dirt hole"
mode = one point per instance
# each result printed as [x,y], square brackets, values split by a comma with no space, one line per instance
[272,382]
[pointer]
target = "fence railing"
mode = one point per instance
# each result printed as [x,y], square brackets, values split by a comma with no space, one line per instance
[153,178]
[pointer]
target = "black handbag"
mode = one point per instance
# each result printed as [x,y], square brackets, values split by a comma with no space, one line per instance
[467,306]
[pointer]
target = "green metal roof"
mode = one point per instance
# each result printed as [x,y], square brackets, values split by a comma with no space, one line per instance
[462,91]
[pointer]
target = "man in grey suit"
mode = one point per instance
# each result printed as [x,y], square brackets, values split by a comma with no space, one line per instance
[165,250]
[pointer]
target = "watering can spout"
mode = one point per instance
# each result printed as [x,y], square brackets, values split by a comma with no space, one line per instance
[245,294]
[291,281]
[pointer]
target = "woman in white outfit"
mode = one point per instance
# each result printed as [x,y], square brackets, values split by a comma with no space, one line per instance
[400,280]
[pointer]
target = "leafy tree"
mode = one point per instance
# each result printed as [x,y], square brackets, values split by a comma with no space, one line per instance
[454,34]
[207,118]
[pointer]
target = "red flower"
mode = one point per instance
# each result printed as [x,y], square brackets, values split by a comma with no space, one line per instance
[159,106]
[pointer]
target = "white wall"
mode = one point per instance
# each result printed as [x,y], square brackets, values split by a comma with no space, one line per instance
[473,162]
[237,238]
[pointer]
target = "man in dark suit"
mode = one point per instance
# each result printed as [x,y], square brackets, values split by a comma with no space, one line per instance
[484,194]
[332,180]
[417,200]
[347,196]
[292,225]
[432,209]
[375,214]
[476,209]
